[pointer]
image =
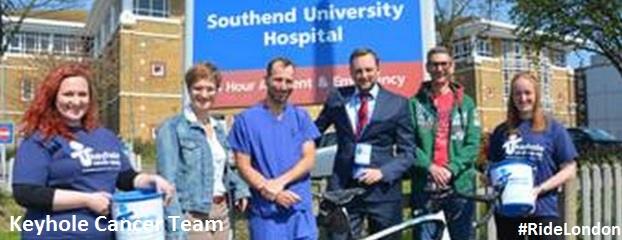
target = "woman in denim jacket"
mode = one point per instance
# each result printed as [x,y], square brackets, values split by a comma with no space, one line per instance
[193,154]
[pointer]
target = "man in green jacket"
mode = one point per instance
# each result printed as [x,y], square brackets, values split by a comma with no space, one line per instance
[447,132]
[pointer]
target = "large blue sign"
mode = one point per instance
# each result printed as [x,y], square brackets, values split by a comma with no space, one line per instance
[244,35]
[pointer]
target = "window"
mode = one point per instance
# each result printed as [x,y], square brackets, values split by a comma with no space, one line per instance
[483,47]
[30,42]
[26,90]
[518,49]
[153,8]
[58,43]
[559,58]
[462,48]
[15,44]
[67,44]
[545,81]
[44,41]
[506,45]
[158,69]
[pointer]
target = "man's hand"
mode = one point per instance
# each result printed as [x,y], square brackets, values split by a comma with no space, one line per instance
[272,188]
[440,175]
[287,198]
[370,176]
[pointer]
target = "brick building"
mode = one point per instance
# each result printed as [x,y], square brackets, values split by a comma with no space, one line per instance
[488,55]
[42,42]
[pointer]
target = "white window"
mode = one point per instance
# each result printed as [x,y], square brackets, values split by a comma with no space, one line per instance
[559,58]
[153,8]
[518,49]
[507,46]
[44,42]
[30,42]
[59,43]
[26,90]
[483,47]
[158,69]
[545,82]
[462,48]
[507,78]
[15,43]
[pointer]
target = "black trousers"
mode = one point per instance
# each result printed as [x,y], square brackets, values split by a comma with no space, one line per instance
[507,228]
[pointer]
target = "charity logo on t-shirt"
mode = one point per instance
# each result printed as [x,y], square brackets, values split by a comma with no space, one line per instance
[516,148]
[93,161]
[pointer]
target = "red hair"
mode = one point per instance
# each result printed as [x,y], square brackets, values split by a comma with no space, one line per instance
[42,114]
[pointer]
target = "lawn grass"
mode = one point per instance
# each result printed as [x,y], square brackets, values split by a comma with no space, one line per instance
[8,208]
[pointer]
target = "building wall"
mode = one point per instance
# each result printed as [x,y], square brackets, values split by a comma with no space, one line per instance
[484,81]
[603,92]
[14,72]
[147,99]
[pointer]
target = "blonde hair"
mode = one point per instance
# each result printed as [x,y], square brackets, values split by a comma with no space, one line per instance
[538,120]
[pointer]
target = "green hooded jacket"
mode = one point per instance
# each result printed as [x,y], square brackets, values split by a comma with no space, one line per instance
[464,141]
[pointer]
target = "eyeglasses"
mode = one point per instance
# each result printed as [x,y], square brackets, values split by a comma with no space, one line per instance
[441,64]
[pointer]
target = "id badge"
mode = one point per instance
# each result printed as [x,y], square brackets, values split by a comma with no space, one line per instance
[362,154]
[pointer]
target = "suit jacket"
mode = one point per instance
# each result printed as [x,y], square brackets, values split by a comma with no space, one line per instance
[389,131]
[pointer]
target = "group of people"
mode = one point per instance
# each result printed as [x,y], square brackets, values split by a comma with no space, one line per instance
[261,164]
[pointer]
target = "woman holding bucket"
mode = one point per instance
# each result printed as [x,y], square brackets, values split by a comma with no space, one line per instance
[530,140]
[193,153]
[68,166]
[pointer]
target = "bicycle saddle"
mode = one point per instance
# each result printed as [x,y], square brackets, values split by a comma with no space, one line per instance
[342,197]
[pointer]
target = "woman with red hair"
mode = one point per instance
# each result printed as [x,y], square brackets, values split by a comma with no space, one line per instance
[529,136]
[68,166]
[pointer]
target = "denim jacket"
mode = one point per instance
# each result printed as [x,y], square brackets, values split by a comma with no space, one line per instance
[185,159]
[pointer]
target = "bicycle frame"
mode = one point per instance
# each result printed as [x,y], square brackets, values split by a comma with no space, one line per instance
[435,217]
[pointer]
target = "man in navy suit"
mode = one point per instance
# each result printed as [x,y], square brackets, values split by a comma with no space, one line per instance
[375,145]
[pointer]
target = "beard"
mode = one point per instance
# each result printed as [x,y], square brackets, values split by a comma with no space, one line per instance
[279,97]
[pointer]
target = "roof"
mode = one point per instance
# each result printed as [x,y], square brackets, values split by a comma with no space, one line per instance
[78,16]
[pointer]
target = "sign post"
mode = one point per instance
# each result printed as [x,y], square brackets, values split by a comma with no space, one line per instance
[7,136]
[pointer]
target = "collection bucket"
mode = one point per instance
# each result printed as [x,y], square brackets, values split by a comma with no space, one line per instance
[139,214]
[517,177]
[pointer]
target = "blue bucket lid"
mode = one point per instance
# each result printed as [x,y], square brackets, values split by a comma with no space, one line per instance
[516,210]
[136,195]
[509,161]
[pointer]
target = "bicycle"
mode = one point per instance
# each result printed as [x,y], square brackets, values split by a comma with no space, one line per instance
[333,215]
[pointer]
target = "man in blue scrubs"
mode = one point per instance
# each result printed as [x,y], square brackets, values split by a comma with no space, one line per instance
[274,151]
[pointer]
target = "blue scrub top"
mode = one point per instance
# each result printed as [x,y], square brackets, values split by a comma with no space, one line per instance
[275,147]
[548,151]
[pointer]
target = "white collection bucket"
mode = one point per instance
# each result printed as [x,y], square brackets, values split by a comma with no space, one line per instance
[140,215]
[518,178]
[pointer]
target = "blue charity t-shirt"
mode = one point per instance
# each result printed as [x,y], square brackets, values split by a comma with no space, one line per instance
[275,147]
[90,163]
[547,151]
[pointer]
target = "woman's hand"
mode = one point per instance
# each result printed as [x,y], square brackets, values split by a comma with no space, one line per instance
[144,180]
[99,202]
[241,204]
[163,186]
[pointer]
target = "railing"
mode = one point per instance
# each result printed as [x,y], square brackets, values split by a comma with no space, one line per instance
[6,176]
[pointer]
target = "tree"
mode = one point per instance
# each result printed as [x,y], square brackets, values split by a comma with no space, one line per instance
[595,26]
[449,14]
[13,13]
